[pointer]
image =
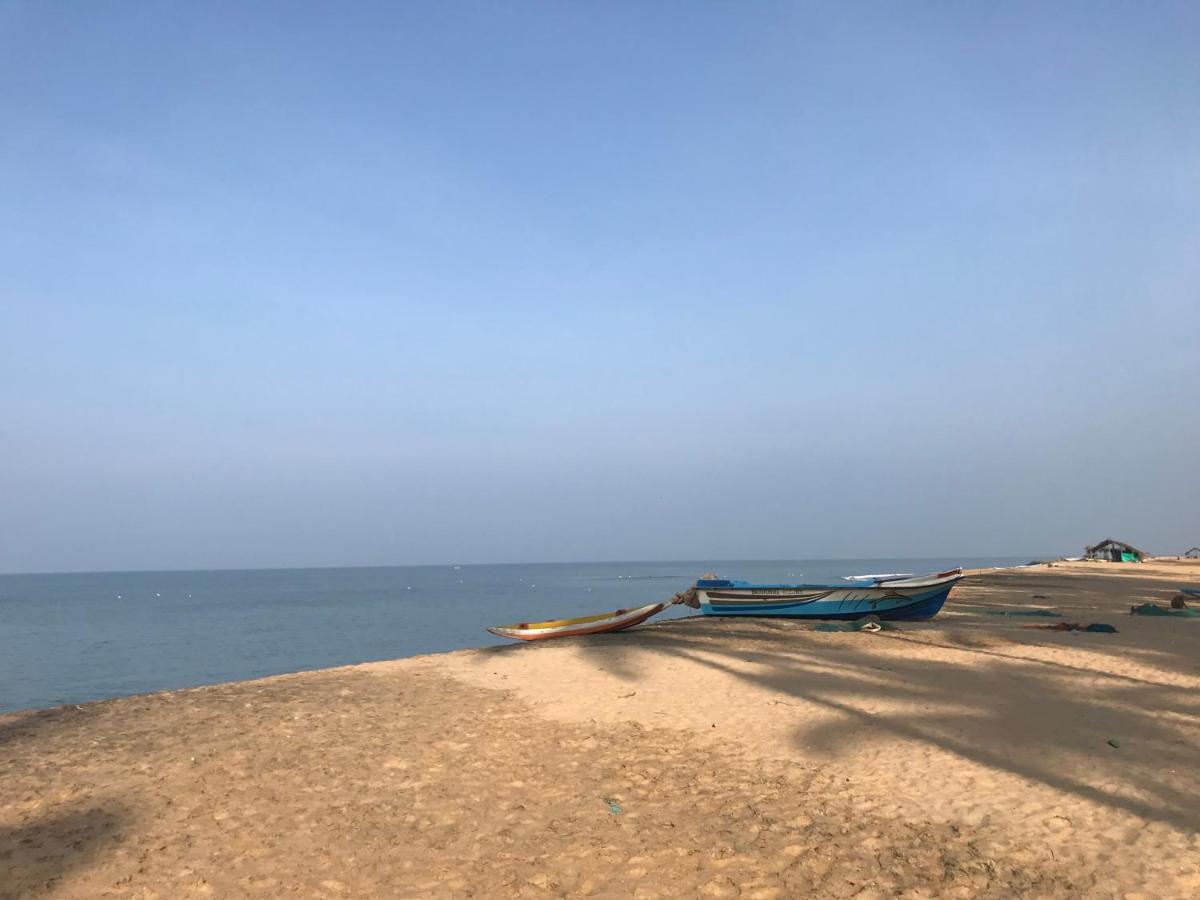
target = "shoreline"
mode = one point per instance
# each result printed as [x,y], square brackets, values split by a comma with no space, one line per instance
[75,639]
[969,754]
[1176,567]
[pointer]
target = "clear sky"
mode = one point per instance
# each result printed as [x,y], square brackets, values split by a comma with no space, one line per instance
[334,284]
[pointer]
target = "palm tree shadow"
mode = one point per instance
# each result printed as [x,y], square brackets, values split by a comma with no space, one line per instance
[1045,721]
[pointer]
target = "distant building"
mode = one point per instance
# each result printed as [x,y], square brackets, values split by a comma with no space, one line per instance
[1194,553]
[1114,551]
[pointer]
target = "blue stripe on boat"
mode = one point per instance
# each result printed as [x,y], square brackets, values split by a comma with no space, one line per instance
[918,606]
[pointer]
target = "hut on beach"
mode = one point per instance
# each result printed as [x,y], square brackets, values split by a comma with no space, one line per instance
[1114,551]
[1194,553]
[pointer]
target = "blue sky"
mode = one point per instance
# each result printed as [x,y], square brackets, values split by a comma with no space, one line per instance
[295,284]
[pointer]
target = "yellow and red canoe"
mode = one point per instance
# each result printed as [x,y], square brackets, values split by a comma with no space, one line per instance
[601,624]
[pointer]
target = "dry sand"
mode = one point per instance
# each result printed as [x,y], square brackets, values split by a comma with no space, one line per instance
[968,756]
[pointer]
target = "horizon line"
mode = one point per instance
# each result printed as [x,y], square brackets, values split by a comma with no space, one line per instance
[521,563]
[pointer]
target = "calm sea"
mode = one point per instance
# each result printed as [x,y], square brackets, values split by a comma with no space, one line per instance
[78,637]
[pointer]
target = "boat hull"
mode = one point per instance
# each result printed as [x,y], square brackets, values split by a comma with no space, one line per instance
[907,599]
[604,623]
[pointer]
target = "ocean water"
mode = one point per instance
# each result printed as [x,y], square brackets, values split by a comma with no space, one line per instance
[92,636]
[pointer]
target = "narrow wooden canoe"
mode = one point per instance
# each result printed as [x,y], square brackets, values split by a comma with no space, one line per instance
[601,624]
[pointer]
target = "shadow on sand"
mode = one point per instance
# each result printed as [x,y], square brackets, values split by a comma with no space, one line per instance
[36,855]
[983,693]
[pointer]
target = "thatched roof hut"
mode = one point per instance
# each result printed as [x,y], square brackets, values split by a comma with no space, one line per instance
[1114,550]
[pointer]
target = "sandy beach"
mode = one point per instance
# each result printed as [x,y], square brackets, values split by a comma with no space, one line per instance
[970,756]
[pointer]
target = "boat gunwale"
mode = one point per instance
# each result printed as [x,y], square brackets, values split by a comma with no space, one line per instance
[554,625]
[917,581]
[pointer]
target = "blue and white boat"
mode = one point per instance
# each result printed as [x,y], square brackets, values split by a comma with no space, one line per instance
[887,596]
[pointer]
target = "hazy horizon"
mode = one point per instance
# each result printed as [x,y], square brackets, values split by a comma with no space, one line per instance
[515,564]
[301,286]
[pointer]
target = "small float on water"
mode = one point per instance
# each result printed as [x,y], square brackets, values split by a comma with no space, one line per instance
[888,597]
